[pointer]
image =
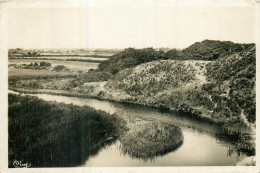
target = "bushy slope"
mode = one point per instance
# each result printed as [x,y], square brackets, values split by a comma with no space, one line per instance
[165,84]
[207,50]
[222,90]
[150,78]
[212,50]
[232,83]
[129,58]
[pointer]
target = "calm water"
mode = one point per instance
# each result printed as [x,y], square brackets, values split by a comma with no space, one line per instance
[201,145]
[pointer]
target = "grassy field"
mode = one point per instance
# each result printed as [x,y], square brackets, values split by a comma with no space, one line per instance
[72,65]
[36,79]
[14,73]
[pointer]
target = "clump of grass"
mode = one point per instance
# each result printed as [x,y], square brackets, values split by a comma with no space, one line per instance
[60,68]
[147,141]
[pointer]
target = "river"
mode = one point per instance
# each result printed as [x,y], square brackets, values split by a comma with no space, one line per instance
[202,145]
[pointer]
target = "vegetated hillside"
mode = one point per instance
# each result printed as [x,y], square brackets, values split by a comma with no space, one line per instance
[232,85]
[206,50]
[212,50]
[130,57]
[165,84]
[150,78]
[221,90]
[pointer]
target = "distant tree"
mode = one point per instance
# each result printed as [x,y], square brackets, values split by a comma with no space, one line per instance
[59,68]
[130,57]
[174,54]
[46,64]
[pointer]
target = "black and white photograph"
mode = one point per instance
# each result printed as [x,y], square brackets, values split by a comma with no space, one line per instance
[130,84]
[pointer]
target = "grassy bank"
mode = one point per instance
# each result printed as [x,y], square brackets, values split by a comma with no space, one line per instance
[49,134]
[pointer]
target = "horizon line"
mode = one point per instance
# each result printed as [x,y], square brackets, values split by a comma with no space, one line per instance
[137,47]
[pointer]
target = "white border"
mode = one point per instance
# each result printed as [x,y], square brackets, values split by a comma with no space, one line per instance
[5,5]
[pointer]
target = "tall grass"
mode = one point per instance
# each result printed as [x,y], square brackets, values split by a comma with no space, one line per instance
[50,134]
[149,140]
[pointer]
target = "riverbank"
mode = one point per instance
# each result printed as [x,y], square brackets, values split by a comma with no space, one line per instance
[237,131]
[140,117]
[97,127]
[99,94]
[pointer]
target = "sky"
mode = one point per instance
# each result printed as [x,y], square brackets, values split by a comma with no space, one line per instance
[122,27]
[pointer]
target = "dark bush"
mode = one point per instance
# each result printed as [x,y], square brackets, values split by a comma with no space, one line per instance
[46,64]
[59,68]
[130,57]
[174,54]
[212,49]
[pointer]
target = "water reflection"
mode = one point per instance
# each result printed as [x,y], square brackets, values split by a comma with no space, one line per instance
[239,143]
[197,150]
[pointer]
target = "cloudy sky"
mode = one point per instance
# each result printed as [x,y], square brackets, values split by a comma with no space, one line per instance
[134,26]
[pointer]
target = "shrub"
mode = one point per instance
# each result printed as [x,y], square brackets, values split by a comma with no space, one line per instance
[45,64]
[147,141]
[212,50]
[174,54]
[130,57]
[59,68]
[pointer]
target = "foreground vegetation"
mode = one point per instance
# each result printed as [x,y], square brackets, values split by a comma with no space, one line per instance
[49,134]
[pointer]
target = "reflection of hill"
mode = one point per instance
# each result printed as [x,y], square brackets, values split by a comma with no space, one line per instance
[57,135]
[238,143]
